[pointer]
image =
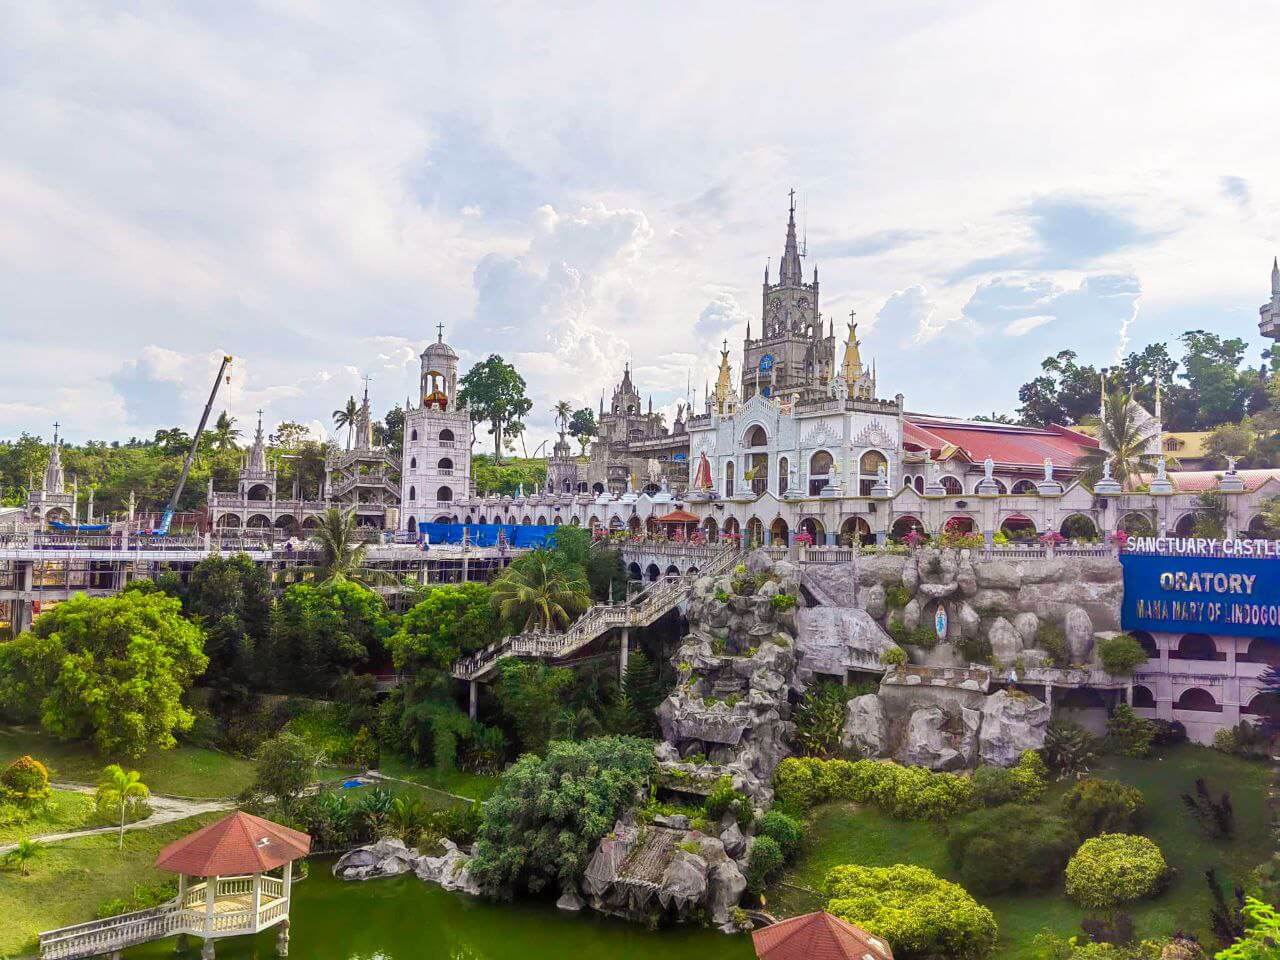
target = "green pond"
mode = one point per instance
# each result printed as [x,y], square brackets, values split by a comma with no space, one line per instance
[402,918]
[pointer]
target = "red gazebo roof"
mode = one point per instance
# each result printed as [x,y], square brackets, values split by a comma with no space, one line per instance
[818,936]
[678,516]
[239,843]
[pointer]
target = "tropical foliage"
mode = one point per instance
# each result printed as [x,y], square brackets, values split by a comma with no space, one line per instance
[1115,868]
[537,594]
[121,792]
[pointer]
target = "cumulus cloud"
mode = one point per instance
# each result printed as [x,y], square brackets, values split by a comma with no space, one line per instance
[1236,189]
[908,312]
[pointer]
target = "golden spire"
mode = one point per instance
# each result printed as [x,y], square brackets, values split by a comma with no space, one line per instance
[724,385]
[852,370]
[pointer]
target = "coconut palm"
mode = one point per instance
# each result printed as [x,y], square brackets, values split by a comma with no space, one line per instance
[1125,435]
[224,434]
[23,852]
[347,417]
[119,789]
[536,593]
[563,411]
[342,552]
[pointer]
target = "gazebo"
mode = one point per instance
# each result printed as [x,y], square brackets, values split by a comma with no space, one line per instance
[681,520]
[818,936]
[235,877]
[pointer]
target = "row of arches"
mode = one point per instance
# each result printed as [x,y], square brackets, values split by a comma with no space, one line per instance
[260,521]
[1200,700]
[1200,646]
[821,468]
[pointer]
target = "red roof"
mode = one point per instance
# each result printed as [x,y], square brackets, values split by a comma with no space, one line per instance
[678,516]
[818,936]
[239,843]
[1003,443]
[1200,481]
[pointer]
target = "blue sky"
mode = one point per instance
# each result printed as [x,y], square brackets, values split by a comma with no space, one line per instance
[312,187]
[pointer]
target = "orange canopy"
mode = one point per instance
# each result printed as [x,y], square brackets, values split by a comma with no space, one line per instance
[678,516]
[818,936]
[236,844]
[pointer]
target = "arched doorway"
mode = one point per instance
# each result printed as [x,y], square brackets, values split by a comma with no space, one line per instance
[1019,527]
[779,532]
[731,527]
[784,467]
[709,530]
[633,571]
[821,466]
[755,532]
[1143,697]
[653,572]
[259,521]
[904,525]
[228,521]
[856,530]
[959,525]
[1078,526]
[259,491]
[634,526]
[1199,700]
[812,528]
[1137,525]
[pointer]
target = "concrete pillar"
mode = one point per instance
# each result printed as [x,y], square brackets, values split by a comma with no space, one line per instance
[207,952]
[1048,695]
[210,910]
[623,652]
[830,539]
[471,703]
[257,898]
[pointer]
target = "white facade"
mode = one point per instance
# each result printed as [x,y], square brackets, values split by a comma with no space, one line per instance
[435,470]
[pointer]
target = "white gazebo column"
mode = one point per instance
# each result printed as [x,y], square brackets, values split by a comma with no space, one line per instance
[257,898]
[210,903]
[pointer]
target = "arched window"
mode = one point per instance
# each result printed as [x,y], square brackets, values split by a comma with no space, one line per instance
[1196,646]
[1197,699]
[445,465]
[919,484]
[1000,485]
[413,493]
[906,479]
[1143,697]
[413,463]
[413,435]
[952,486]
[446,435]
[411,525]
[820,467]
[784,465]
[868,471]
[756,437]
[728,479]
[1024,487]
[444,494]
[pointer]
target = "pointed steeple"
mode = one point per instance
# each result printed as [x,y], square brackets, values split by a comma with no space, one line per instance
[789,272]
[364,422]
[724,383]
[651,404]
[53,478]
[258,453]
[766,273]
[1275,276]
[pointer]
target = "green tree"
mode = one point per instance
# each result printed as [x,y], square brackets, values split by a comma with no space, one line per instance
[23,853]
[1064,393]
[109,669]
[347,417]
[286,768]
[563,411]
[342,551]
[1113,869]
[531,695]
[1261,940]
[450,621]
[321,632]
[224,434]
[174,442]
[119,790]
[544,820]
[1093,806]
[231,598]
[535,593]
[583,426]
[1010,847]
[393,430]
[1124,437]
[1238,440]
[922,915]
[494,393]
[819,720]
[1212,372]
[1121,655]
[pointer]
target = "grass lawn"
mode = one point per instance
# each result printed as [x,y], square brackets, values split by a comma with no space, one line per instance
[65,811]
[476,786]
[70,879]
[183,771]
[845,833]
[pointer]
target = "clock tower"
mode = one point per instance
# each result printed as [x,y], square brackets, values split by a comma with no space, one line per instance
[791,356]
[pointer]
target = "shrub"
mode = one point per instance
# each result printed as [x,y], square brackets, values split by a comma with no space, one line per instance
[896,597]
[1010,847]
[364,750]
[1167,733]
[787,832]
[1245,739]
[893,657]
[1053,641]
[921,914]
[25,781]
[724,799]
[764,863]
[819,720]
[1121,655]
[1115,868]
[1025,783]
[782,601]
[908,793]
[923,636]
[914,793]
[1068,748]
[975,649]
[1095,806]
[1128,733]
[796,784]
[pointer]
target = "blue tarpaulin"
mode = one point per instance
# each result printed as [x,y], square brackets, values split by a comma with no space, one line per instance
[487,534]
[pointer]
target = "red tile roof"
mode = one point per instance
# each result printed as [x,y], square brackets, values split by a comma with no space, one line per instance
[678,516]
[1003,443]
[239,843]
[1199,481]
[818,936]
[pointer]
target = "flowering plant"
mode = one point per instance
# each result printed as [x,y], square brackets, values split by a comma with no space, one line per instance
[1120,538]
[1052,539]
[803,539]
[914,538]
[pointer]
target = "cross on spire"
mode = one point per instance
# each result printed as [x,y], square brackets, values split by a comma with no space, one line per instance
[792,195]
[440,332]
[367,380]
[56,425]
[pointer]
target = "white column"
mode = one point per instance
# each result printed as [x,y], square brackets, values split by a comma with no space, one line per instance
[623,652]
[257,898]
[210,896]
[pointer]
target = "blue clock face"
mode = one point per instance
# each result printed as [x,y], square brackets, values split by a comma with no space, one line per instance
[766,363]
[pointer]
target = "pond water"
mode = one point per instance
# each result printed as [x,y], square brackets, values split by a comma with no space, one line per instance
[402,918]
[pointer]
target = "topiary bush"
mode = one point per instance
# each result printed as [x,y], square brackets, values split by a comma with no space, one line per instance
[1115,868]
[786,831]
[922,915]
[764,863]
[1094,806]
[908,793]
[25,782]
[1010,847]
[1024,783]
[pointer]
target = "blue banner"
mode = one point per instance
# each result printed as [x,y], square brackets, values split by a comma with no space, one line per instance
[1216,595]
[487,534]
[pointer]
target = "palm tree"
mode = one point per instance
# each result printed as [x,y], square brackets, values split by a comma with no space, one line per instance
[347,417]
[563,411]
[536,593]
[224,433]
[119,788]
[23,852]
[342,553]
[1125,434]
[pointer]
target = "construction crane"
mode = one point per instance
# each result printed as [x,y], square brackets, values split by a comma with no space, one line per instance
[167,517]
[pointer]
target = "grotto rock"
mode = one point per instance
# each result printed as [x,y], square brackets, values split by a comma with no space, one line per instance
[940,741]
[866,728]
[1079,630]
[569,900]
[833,584]
[1006,644]
[998,575]
[684,882]
[725,886]
[1027,624]
[873,601]
[1011,723]
[967,620]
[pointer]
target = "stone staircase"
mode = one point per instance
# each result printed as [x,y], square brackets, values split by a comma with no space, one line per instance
[640,611]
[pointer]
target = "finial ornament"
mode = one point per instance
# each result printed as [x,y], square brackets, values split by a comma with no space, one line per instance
[440,333]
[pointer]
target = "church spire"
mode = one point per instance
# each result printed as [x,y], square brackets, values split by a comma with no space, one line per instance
[53,478]
[1275,276]
[789,272]
[724,383]
[258,455]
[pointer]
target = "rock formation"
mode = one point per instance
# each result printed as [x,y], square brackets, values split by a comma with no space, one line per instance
[390,857]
